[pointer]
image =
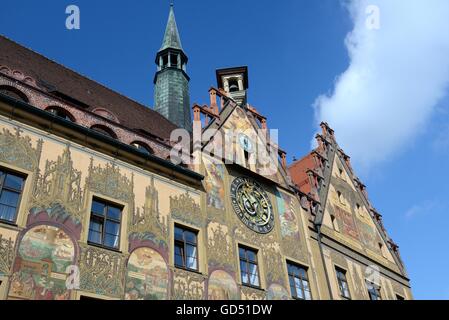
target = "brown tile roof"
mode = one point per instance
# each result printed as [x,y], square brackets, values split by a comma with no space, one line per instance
[298,172]
[55,77]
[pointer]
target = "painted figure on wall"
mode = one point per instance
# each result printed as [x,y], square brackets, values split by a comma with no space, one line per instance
[214,183]
[347,224]
[222,286]
[287,214]
[44,254]
[147,277]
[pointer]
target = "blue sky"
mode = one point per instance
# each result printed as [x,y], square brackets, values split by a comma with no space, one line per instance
[296,53]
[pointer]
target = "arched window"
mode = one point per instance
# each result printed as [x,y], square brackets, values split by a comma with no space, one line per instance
[142,147]
[61,113]
[104,130]
[14,93]
[233,85]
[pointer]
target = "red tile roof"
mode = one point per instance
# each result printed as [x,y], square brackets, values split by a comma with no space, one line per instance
[54,77]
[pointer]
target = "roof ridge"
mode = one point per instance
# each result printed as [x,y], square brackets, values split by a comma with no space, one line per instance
[87,78]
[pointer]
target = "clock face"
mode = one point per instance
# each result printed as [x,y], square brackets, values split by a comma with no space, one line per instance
[252,205]
[246,143]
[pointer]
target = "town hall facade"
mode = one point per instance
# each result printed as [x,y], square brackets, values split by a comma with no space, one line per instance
[93,205]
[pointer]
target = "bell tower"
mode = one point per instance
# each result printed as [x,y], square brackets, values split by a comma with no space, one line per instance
[171,91]
[234,81]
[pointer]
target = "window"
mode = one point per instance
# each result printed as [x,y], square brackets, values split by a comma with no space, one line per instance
[249,269]
[13,93]
[186,248]
[61,113]
[142,148]
[11,187]
[399,297]
[174,60]
[373,291]
[343,283]
[104,228]
[233,85]
[299,282]
[335,223]
[104,130]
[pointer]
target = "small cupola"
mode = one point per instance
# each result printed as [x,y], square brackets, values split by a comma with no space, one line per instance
[234,81]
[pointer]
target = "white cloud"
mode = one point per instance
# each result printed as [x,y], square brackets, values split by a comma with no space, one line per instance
[396,77]
[424,208]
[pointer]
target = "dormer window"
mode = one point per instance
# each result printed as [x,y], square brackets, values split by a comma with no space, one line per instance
[142,148]
[61,113]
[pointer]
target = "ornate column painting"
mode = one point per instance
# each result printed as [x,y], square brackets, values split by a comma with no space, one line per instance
[287,215]
[147,276]
[222,286]
[214,183]
[39,272]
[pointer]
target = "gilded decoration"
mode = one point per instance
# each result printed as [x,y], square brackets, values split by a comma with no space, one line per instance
[18,150]
[58,190]
[188,285]
[185,208]
[102,271]
[6,254]
[148,224]
[109,181]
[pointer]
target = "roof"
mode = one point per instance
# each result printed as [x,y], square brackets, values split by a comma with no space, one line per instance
[55,78]
[298,172]
[171,36]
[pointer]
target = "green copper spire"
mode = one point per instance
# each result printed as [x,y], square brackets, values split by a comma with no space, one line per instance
[171,36]
[171,90]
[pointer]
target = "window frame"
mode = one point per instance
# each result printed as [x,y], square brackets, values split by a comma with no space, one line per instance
[376,288]
[107,204]
[290,275]
[183,244]
[23,176]
[340,271]
[248,262]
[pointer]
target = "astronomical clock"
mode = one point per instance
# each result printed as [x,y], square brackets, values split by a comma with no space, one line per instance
[252,205]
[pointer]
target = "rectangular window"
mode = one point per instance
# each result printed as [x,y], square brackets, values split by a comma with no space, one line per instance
[343,283]
[373,291]
[11,187]
[249,269]
[105,221]
[299,282]
[186,248]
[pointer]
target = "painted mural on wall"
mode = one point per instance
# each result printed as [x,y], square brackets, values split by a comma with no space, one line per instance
[277,292]
[222,286]
[346,222]
[147,276]
[238,122]
[369,235]
[57,191]
[7,243]
[214,183]
[287,214]
[102,271]
[44,254]
[147,224]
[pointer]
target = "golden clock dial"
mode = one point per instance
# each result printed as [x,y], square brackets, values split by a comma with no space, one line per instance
[252,205]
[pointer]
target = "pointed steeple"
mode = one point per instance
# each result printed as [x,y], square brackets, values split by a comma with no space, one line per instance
[171,90]
[171,36]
